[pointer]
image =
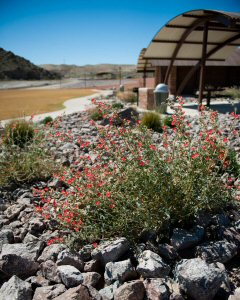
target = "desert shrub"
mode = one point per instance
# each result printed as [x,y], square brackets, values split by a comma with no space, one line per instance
[152,121]
[18,133]
[96,115]
[47,120]
[233,93]
[128,97]
[167,121]
[117,105]
[26,164]
[100,111]
[135,184]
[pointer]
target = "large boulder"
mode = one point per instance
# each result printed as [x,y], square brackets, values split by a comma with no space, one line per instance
[49,271]
[51,252]
[13,211]
[28,251]
[151,265]
[91,278]
[38,281]
[111,251]
[12,264]
[219,251]
[133,290]
[82,292]
[36,226]
[92,266]
[199,279]
[183,239]
[49,292]
[67,257]
[235,295]
[119,271]
[70,275]
[232,235]
[16,289]
[6,237]
[156,289]
[107,292]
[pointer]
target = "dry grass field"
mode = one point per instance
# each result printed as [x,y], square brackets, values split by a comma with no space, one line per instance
[23,102]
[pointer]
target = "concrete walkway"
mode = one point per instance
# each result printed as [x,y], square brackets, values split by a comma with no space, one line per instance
[71,106]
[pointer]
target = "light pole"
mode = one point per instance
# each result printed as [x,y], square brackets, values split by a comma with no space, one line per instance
[120,75]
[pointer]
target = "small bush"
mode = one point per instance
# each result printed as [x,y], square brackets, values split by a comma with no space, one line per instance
[152,121]
[117,105]
[47,120]
[96,115]
[233,93]
[128,97]
[27,164]
[18,133]
[167,121]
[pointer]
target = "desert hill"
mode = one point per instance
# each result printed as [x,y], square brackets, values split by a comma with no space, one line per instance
[16,67]
[92,71]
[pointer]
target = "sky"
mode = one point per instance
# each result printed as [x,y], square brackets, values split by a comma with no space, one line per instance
[89,31]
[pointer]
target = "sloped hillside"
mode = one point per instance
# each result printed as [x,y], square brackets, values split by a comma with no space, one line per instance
[16,67]
[92,71]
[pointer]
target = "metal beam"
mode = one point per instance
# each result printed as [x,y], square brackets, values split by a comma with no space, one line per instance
[203,66]
[194,68]
[186,33]
[185,58]
[191,42]
[213,27]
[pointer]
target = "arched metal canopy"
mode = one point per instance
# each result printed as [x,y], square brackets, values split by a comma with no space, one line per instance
[143,66]
[198,36]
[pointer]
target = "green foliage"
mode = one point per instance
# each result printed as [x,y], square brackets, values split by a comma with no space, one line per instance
[152,121]
[25,164]
[233,165]
[96,115]
[117,105]
[47,120]
[18,133]
[167,121]
[136,185]
[233,93]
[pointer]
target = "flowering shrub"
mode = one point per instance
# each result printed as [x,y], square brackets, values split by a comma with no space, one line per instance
[131,184]
[168,121]
[100,111]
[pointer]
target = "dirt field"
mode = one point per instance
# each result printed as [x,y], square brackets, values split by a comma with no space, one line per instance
[21,102]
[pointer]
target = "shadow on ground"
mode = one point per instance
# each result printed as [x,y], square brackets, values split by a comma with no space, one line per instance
[222,108]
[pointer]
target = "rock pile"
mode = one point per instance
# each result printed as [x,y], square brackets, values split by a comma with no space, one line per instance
[201,263]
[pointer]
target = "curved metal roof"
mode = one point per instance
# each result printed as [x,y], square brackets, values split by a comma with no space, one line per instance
[182,37]
[143,65]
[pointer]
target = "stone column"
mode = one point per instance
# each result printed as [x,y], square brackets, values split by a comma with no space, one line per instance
[146,98]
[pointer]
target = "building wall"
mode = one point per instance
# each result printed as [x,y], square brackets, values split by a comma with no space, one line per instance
[216,76]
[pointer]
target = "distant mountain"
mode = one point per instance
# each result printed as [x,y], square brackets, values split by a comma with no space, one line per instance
[92,71]
[16,67]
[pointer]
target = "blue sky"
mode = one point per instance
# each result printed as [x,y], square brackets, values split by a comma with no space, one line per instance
[90,31]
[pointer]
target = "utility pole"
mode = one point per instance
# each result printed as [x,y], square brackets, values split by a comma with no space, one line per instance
[61,73]
[85,78]
[120,75]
